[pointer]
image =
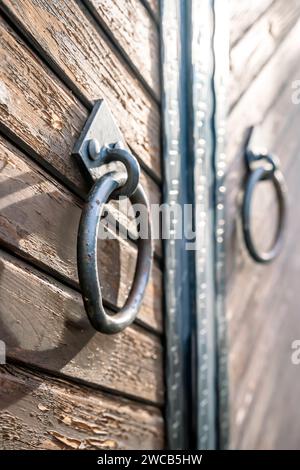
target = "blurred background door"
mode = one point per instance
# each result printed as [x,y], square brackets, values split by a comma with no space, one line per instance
[263,301]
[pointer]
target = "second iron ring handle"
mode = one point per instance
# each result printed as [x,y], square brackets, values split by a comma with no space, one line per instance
[256,175]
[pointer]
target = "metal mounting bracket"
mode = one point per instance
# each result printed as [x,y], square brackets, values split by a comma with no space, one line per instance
[102,128]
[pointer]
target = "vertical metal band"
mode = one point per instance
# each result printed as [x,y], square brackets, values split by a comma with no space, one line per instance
[195,52]
[178,299]
[210,69]
[202,26]
[221,72]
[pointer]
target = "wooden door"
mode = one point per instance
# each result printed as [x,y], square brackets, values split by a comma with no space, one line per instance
[263,300]
[65,386]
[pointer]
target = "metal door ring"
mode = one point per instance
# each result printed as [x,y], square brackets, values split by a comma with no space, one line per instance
[103,190]
[257,175]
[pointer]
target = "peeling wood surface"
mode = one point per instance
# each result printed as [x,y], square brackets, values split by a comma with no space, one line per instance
[39,412]
[39,220]
[135,32]
[56,60]
[47,119]
[44,323]
[264,321]
[77,48]
[258,45]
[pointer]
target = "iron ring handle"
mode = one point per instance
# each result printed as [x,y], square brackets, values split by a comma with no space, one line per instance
[115,153]
[257,175]
[100,193]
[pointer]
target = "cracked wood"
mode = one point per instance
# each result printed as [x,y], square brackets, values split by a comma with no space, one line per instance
[78,50]
[43,323]
[39,220]
[40,412]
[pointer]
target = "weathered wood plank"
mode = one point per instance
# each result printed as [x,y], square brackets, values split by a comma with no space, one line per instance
[259,44]
[47,119]
[247,319]
[243,16]
[264,320]
[278,417]
[262,92]
[135,32]
[39,220]
[274,133]
[269,372]
[279,136]
[43,323]
[39,412]
[76,47]
[270,324]
[273,102]
[268,315]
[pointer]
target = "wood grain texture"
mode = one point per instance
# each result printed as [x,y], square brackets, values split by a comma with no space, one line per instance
[270,135]
[39,221]
[261,94]
[56,60]
[263,301]
[39,412]
[43,323]
[135,32]
[76,47]
[261,369]
[278,135]
[264,220]
[47,119]
[252,108]
[259,44]
[243,15]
